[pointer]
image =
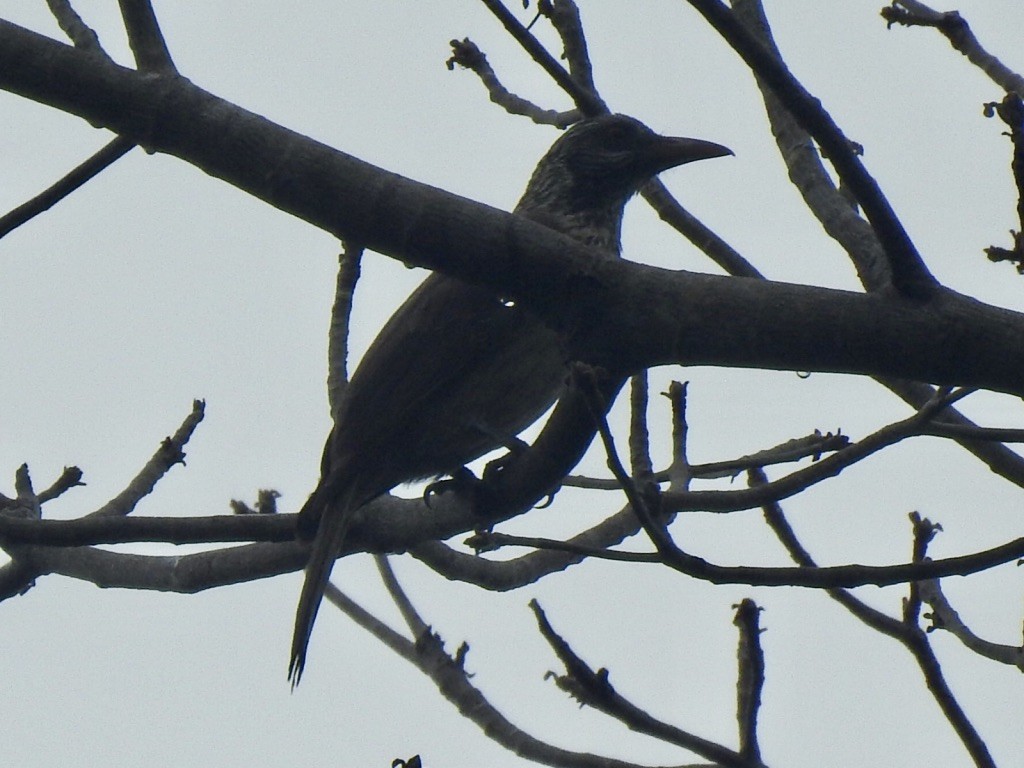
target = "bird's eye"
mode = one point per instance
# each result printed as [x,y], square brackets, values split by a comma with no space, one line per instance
[618,136]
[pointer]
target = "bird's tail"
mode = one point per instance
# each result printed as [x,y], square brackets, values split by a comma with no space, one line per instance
[330,535]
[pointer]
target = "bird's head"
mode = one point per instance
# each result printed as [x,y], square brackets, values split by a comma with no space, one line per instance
[601,162]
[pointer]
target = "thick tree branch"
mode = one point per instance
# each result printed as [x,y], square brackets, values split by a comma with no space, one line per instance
[624,316]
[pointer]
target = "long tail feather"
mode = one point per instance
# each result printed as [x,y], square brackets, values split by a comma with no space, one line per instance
[334,524]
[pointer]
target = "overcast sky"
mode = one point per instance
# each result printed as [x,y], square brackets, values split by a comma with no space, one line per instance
[156,284]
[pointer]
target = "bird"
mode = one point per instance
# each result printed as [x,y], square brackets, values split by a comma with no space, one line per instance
[457,371]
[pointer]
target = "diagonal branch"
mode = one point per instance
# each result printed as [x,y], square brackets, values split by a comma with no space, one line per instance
[587,101]
[145,38]
[910,275]
[635,316]
[956,29]
[594,689]
[448,673]
[48,198]
[80,33]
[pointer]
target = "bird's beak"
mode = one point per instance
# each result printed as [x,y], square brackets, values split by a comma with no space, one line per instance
[670,151]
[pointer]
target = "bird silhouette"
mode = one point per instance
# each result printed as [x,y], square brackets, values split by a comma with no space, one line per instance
[457,372]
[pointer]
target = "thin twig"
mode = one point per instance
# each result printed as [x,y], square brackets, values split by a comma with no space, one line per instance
[810,576]
[639,435]
[70,478]
[590,104]
[680,471]
[910,13]
[595,690]
[19,575]
[170,453]
[45,200]
[341,314]
[909,635]
[586,379]
[943,616]
[1011,111]
[697,232]
[801,479]
[427,654]
[412,618]
[586,100]
[750,680]
[517,572]
[919,645]
[810,446]
[565,18]
[467,55]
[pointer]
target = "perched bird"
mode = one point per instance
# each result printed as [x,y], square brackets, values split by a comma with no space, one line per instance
[456,372]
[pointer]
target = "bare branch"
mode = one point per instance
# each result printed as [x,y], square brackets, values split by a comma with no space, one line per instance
[693,229]
[750,681]
[908,634]
[639,435]
[65,186]
[924,532]
[466,54]
[344,196]
[776,520]
[917,642]
[115,529]
[80,33]
[911,13]
[807,172]
[517,572]
[341,312]
[799,448]
[69,478]
[413,620]
[565,18]
[586,100]
[910,275]
[594,689]
[382,632]
[170,452]
[816,577]
[171,573]
[145,38]
[680,471]
[944,616]
[490,541]
[1011,112]
[427,654]
[650,519]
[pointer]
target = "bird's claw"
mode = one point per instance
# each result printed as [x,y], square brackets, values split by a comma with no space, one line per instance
[515,447]
[462,481]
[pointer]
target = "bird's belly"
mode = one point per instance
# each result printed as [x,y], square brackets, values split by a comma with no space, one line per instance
[461,376]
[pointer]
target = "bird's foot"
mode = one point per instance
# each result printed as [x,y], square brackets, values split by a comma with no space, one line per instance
[462,481]
[494,468]
[515,447]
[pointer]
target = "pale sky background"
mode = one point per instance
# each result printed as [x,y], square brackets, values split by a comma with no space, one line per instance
[155,285]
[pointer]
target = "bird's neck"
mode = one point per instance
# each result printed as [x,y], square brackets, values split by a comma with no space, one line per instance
[594,225]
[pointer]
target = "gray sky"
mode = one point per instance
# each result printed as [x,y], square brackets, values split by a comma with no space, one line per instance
[155,285]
